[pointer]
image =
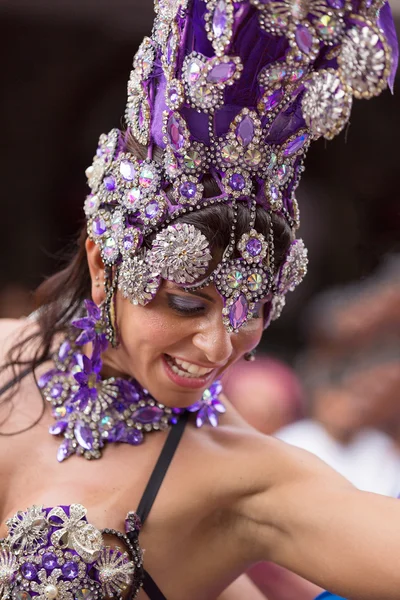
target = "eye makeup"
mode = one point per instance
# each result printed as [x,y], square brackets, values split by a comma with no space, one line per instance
[185,305]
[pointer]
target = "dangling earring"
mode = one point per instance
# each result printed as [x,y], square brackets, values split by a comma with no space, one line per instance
[108,307]
[250,356]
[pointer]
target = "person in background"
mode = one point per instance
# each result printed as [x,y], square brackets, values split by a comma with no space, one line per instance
[266,392]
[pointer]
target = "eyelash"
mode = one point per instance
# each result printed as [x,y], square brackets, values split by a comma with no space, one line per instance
[173,303]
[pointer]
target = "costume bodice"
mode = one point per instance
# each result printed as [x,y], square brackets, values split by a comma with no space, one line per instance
[56,554]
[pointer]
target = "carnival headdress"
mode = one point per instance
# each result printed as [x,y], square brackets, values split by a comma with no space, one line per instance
[236,89]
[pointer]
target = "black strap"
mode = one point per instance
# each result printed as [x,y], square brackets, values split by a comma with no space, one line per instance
[161,468]
[16,380]
[151,588]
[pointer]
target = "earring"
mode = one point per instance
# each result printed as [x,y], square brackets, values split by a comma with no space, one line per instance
[250,356]
[108,307]
[97,284]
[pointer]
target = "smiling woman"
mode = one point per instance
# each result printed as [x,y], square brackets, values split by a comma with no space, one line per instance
[188,252]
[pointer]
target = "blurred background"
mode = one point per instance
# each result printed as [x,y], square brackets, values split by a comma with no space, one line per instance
[329,379]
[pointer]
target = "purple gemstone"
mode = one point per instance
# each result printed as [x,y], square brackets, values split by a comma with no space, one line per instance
[99,226]
[152,209]
[254,247]
[238,312]
[84,435]
[56,390]
[296,145]
[64,350]
[336,3]
[170,48]
[188,189]
[245,131]
[127,170]
[49,561]
[45,378]
[274,192]
[58,427]
[174,132]
[28,571]
[304,38]
[273,100]
[220,19]
[141,116]
[109,183]
[237,182]
[134,437]
[118,433]
[148,414]
[64,450]
[221,73]
[70,569]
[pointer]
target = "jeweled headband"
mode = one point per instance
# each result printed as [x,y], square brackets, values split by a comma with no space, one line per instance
[237,90]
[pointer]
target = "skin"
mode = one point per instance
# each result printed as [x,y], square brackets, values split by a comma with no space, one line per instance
[231,497]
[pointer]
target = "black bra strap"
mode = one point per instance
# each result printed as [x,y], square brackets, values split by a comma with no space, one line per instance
[151,588]
[161,468]
[16,380]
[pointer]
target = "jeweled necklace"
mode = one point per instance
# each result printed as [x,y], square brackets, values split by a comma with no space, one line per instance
[91,411]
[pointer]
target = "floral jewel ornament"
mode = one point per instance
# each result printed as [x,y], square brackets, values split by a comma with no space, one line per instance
[237,90]
[55,553]
[90,411]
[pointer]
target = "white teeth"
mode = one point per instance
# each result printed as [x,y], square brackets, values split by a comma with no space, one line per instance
[188,370]
[191,368]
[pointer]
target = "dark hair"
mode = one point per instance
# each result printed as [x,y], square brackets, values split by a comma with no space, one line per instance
[61,295]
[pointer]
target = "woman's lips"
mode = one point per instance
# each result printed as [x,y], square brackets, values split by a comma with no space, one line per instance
[190,380]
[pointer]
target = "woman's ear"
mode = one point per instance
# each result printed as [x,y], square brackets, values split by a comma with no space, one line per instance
[96,269]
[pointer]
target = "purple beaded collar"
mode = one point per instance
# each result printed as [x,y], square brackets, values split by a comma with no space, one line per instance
[91,411]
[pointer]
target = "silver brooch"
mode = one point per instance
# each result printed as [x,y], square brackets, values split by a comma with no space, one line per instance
[180,253]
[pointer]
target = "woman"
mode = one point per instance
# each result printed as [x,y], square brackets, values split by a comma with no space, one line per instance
[190,251]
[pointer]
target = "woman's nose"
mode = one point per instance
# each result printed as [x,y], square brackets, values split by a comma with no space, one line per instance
[214,342]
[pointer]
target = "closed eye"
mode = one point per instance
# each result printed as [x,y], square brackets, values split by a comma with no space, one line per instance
[185,306]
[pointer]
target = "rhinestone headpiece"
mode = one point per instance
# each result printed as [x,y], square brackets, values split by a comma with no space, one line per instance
[236,89]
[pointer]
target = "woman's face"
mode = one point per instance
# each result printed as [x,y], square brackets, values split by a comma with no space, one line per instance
[177,345]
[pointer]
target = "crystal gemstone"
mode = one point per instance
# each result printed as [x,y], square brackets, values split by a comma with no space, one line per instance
[84,435]
[58,427]
[70,569]
[234,279]
[148,414]
[127,170]
[174,133]
[132,197]
[238,312]
[109,183]
[28,571]
[237,182]
[49,561]
[99,226]
[272,100]
[146,177]
[304,38]
[152,209]
[56,390]
[220,19]
[254,246]
[20,594]
[85,594]
[254,282]
[295,145]
[245,131]
[188,189]
[221,73]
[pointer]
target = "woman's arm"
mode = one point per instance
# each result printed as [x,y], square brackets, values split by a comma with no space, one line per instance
[242,589]
[302,515]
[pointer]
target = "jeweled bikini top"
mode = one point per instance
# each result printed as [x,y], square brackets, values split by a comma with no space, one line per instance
[55,554]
